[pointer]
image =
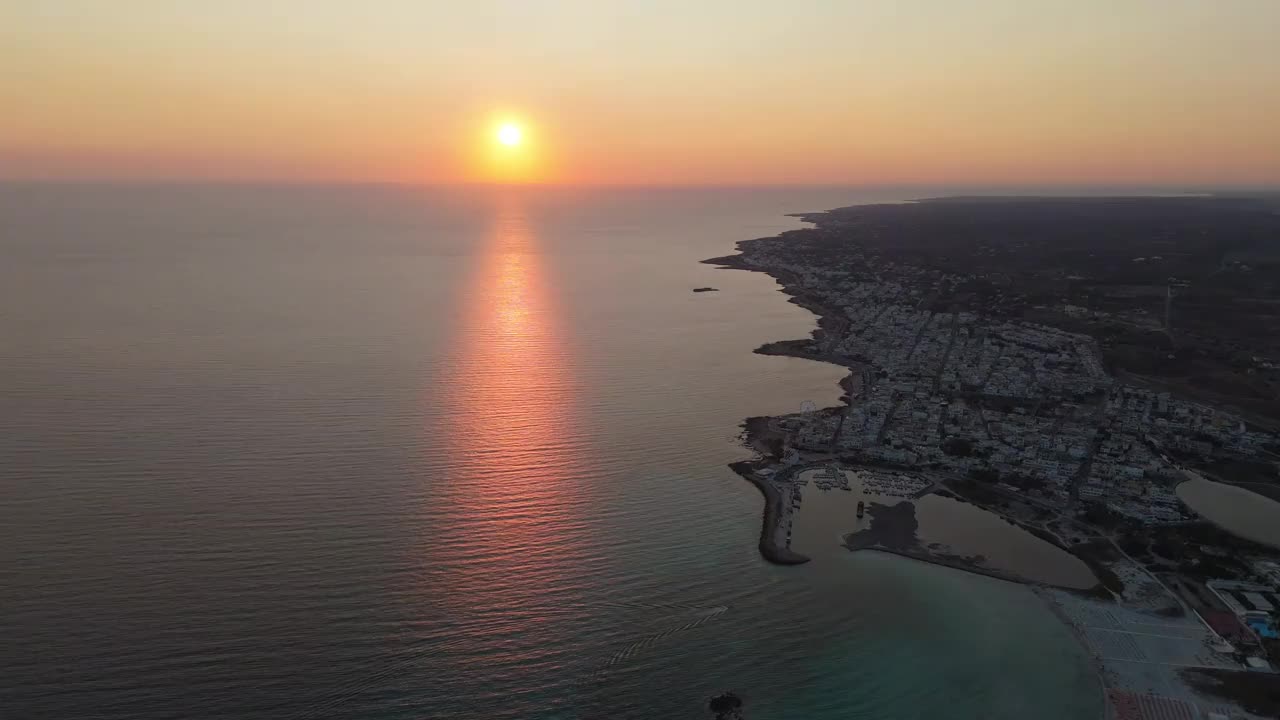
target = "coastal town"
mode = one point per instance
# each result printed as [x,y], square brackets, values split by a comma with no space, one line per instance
[968,380]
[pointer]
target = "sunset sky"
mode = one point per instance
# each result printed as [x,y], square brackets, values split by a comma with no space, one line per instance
[644,91]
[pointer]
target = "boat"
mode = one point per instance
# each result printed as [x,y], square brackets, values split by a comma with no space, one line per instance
[861,507]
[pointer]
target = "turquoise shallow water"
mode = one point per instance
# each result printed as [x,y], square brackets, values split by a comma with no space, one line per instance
[391,453]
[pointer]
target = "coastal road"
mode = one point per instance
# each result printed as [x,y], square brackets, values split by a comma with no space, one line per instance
[1086,465]
[951,343]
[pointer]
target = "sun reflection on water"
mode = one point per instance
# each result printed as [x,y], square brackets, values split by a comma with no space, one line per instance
[512,498]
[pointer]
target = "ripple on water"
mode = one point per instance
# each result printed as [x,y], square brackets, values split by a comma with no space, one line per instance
[358,453]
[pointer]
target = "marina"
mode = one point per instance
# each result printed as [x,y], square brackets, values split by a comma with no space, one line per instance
[827,509]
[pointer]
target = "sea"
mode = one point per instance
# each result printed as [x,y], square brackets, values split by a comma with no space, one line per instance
[381,452]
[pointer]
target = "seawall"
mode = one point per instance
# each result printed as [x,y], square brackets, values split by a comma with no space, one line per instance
[772,516]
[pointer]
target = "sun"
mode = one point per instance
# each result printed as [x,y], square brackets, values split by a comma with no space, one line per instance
[508,147]
[509,134]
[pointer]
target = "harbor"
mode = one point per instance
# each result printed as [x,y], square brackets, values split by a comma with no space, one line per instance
[821,509]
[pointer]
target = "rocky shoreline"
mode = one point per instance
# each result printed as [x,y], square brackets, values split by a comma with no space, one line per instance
[756,429]
[788,285]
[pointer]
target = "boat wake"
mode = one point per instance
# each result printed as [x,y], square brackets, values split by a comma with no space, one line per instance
[627,652]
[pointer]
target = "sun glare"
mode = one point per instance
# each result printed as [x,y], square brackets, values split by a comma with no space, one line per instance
[508,147]
[509,134]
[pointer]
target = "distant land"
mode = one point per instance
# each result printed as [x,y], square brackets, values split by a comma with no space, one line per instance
[1066,364]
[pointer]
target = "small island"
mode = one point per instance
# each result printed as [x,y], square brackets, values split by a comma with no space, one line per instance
[726,706]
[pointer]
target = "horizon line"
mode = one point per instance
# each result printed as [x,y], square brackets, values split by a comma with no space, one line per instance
[1273,186]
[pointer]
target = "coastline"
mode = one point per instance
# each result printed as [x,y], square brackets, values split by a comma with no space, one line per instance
[1128,598]
[808,349]
[756,431]
[789,284]
[772,515]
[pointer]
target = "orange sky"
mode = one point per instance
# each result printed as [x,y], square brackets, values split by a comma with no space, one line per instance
[982,91]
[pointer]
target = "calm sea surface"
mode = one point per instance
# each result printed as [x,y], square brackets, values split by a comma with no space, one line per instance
[392,453]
